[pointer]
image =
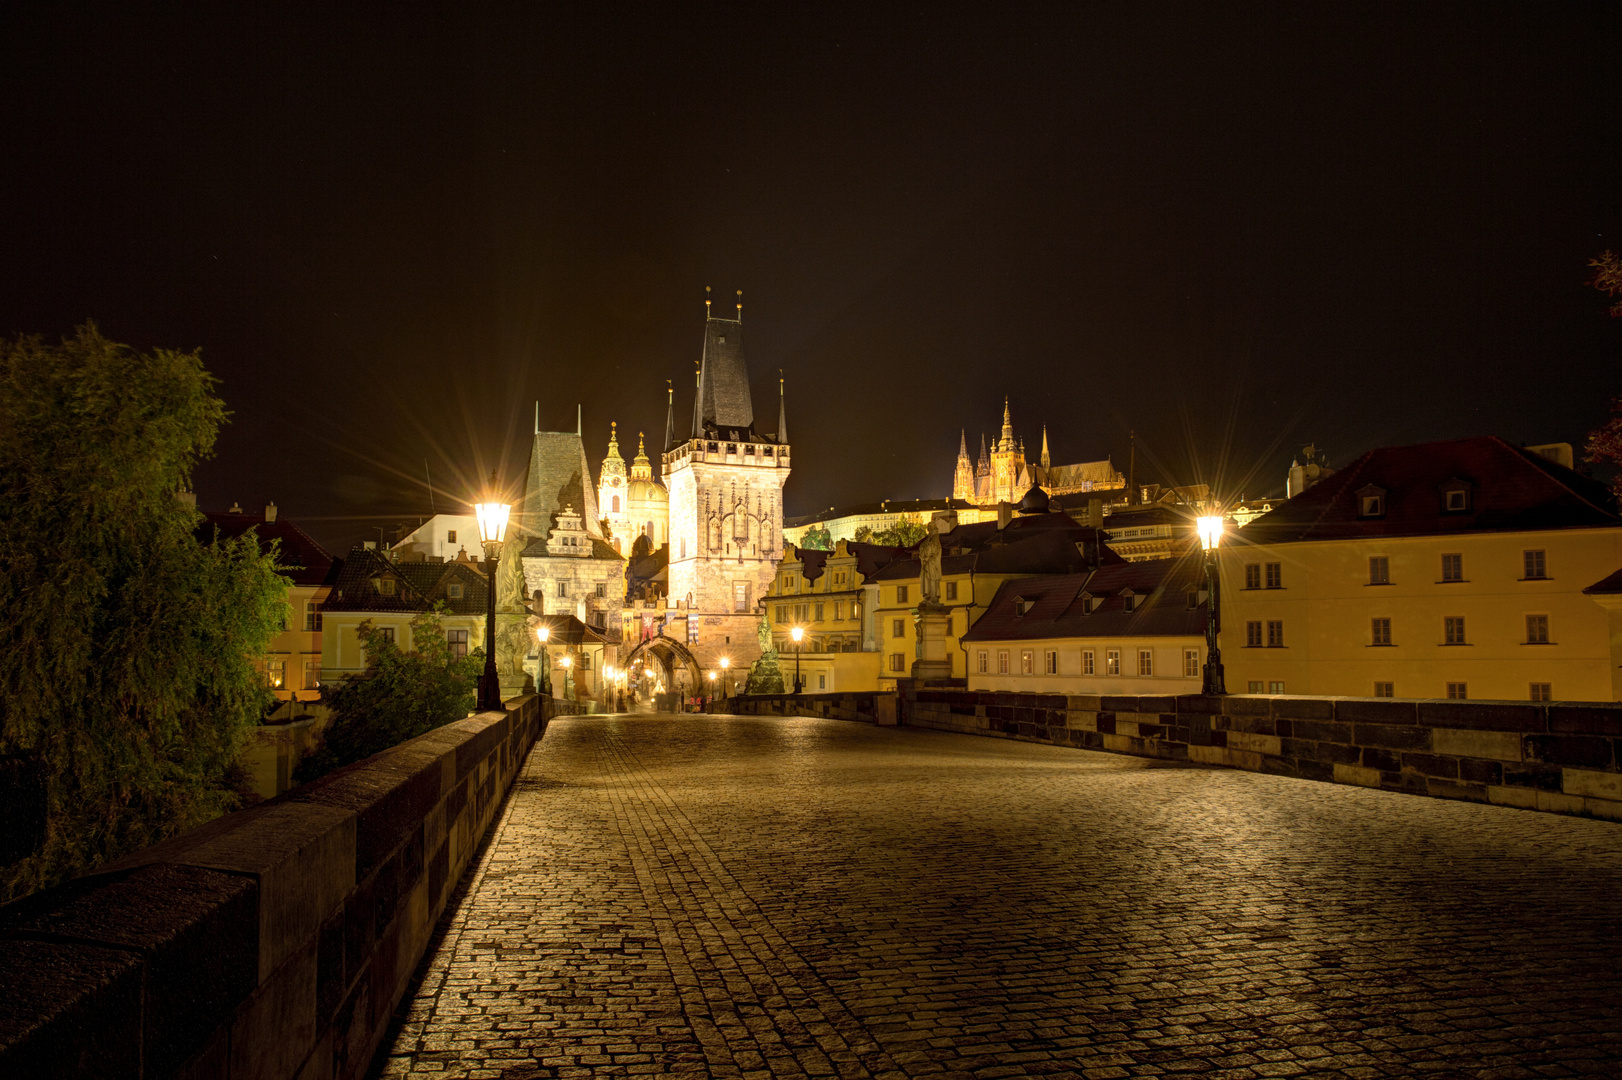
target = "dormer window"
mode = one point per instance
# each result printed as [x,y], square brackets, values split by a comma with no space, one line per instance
[1022,605]
[1086,603]
[1129,601]
[454,590]
[1371,502]
[384,586]
[1456,497]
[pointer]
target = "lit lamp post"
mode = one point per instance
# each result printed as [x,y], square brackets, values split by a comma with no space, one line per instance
[711,674]
[798,633]
[492,531]
[1210,530]
[544,633]
[566,662]
[726,662]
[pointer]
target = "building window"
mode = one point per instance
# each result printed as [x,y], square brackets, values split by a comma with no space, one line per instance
[1275,575]
[901,594]
[450,536]
[898,628]
[1086,604]
[1456,691]
[1002,661]
[312,616]
[276,673]
[1371,501]
[839,611]
[1452,567]
[1456,500]
[898,661]
[1384,689]
[1537,629]
[387,632]
[983,660]
[1129,601]
[1540,692]
[1453,630]
[1275,634]
[1146,662]
[615,508]
[563,588]
[602,590]
[1050,663]
[1253,634]
[454,590]
[1534,568]
[1027,662]
[951,590]
[1379,570]
[1087,661]
[385,586]
[1255,686]
[802,613]
[585,661]
[740,596]
[1191,663]
[822,682]
[1275,686]
[312,674]
[1112,662]
[819,613]
[1381,632]
[458,642]
[1253,575]
[782,613]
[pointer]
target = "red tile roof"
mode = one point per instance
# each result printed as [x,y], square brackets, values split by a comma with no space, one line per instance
[1511,489]
[1160,588]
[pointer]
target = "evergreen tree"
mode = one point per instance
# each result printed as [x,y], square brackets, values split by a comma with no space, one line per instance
[129,651]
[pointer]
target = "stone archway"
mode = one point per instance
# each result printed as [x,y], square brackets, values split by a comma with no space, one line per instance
[675,662]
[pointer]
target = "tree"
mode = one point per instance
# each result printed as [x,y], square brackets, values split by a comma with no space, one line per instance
[818,539]
[1604,445]
[128,650]
[907,531]
[401,695]
[864,535]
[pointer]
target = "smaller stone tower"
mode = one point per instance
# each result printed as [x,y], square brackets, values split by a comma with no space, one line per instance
[963,475]
[611,494]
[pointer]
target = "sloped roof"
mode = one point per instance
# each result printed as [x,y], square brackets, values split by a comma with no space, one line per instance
[1031,544]
[1057,611]
[1512,489]
[418,585]
[890,506]
[307,562]
[723,381]
[1610,584]
[1069,478]
[558,476]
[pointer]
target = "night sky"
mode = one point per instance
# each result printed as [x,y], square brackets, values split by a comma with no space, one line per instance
[1232,228]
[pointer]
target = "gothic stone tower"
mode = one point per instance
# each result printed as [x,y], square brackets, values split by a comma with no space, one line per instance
[1007,460]
[963,476]
[726,506]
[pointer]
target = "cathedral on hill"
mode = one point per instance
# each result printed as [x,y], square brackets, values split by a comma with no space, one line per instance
[1005,474]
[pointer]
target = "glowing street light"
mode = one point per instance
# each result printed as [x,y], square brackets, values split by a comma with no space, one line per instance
[492,517]
[726,662]
[798,634]
[1210,532]
[544,633]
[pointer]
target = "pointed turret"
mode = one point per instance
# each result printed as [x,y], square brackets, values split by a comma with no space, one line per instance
[1007,440]
[723,402]
[670,417]
[963,474]
[1047,462]
[782,411]
[641,467]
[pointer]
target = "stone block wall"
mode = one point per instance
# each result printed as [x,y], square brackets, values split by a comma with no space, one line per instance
[270,943]
[1561,757]
[865,706]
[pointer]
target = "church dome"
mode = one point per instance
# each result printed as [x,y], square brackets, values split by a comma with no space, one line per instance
[644,490]
[1035,501]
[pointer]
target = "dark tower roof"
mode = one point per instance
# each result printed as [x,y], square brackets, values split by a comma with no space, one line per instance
[1035,501]
[670,417]
[723,380]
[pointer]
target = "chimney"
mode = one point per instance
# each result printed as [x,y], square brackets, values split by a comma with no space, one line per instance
[270,513]
[1005,514]
[1095,513]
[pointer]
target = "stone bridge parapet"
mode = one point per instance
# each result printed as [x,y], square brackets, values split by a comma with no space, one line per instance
[271,943]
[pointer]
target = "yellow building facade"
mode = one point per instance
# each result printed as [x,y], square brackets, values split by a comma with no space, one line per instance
[1448,570]
[822,593]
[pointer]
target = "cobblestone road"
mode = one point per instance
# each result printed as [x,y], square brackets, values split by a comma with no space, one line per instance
[743,897]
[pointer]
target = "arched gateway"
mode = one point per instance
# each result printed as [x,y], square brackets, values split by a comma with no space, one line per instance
[673,663]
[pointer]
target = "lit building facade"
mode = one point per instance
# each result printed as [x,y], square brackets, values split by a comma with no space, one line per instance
[1444,570]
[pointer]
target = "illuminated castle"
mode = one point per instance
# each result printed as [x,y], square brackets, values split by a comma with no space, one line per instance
[1005,475]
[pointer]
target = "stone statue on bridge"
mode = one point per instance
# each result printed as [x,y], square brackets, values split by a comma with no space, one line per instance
[765,677]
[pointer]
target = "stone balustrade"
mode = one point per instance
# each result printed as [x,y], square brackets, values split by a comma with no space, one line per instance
[271,943]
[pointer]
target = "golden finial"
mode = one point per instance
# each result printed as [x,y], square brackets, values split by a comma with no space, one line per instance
[740,305]
[706,301]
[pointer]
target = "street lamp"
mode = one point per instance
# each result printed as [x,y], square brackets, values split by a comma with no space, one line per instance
[492,531]
[1210,530]
[798,633]
[567,661]
[726,662]
[544,633]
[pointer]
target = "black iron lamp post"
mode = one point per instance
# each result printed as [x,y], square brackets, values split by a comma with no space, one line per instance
[1210,530]
[797,633]
[726,662]
[492,531]
[544,632]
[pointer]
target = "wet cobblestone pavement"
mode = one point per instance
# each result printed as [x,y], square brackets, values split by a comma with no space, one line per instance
[745,897]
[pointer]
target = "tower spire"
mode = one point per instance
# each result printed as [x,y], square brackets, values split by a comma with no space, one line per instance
[537,418]
[1007,440]
[1047,462]
[962,443]
[670,416]
[782,411]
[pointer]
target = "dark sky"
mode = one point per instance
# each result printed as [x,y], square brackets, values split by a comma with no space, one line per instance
[1232,228]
